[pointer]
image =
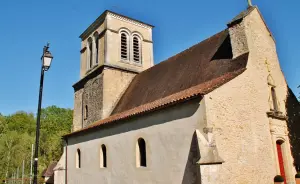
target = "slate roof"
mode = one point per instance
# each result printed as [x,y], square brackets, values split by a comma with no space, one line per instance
[191,73]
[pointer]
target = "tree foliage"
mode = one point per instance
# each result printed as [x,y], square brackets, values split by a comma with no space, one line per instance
[17,134]
[299,93]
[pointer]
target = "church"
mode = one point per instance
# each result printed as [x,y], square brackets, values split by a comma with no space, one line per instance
[219,112]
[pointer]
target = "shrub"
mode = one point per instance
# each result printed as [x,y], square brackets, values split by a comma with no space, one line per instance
[278,178]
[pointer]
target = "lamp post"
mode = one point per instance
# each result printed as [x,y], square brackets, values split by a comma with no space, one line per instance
[46,62]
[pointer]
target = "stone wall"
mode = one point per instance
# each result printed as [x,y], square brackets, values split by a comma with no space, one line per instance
[77,112]
[293,115]
[113,44]
[60,170]
[101,93]
[92,98]
[115,82]
[237,111]
[101,51]
[170,149]
[109,44]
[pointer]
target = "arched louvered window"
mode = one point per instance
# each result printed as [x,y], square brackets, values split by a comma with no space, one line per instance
[96,39]
[136,49]
[90,53]
[141,153]
[103,156]
[124,45]
[274,99]
[78,159]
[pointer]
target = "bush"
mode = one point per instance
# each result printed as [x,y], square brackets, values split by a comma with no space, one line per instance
[278,178]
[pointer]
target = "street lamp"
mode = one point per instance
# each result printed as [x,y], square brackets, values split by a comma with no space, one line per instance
[46,63]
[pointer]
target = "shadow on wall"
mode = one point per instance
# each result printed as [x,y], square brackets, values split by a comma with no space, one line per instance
[293,123]
[192,173]
[176,112]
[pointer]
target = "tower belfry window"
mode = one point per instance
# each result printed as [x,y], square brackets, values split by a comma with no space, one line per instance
[96,40]
[90,53]
[136,49]
[124,46]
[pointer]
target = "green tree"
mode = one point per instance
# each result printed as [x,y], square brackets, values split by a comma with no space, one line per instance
[17,134]
[55,122]
[299,93]
[3,126]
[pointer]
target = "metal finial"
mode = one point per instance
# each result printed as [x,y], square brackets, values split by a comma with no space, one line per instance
[249,3]
[46,47]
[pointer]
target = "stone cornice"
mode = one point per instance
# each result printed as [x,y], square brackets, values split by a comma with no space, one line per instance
[97,70]
[130,20]
[114,31]
[149,41]
[93,26]
[102,18]
[82,50]
[91,74]
[117,32]
[107,65]
[276,115]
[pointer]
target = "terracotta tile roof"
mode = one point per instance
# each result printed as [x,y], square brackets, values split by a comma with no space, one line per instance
[187,94]
[49,171]
[191,73]
[202,62]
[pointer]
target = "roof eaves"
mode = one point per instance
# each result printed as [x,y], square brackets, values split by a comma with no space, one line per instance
[94,25]
[131,18]
[101,19]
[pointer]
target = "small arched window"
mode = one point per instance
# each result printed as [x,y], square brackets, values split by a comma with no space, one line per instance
[124,45]
[96,39]
[103,156]
[86,111]
[136,49]
[274,99]
[90,53]
[78,159]
[141,153]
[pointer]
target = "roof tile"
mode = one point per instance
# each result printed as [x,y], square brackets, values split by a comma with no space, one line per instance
[191,73]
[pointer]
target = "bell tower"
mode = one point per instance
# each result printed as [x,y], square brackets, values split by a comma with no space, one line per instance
[114,48]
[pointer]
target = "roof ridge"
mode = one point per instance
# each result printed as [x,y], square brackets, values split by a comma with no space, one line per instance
[188,49]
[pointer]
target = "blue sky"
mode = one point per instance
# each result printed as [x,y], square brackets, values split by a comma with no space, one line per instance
[26,26]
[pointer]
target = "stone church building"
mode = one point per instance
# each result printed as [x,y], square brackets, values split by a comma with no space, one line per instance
[220,112]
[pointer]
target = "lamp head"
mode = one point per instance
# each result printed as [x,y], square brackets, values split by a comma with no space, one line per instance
[46,58]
